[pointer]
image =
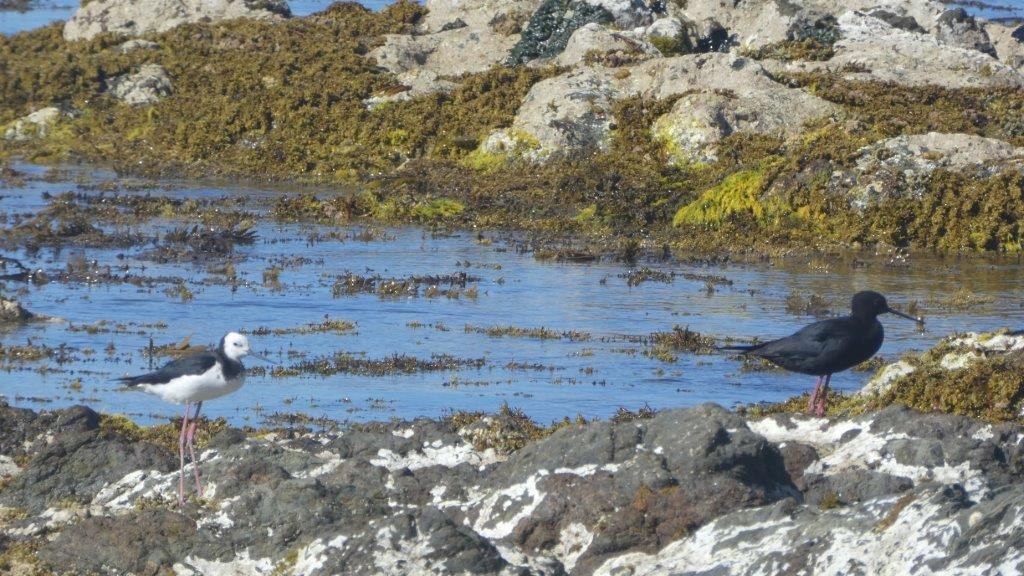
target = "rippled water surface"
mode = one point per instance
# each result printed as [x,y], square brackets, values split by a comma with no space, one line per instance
[592,374]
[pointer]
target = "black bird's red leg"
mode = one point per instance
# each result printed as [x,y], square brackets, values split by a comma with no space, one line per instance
[823,399]
[813,400]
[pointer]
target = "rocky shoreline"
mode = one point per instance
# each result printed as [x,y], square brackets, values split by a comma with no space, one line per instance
[699,490]
[816,124]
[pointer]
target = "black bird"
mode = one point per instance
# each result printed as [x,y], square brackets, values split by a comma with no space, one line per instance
[824,348]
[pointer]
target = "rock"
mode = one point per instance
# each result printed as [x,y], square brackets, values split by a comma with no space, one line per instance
[885,492]
[478,14]
[1008,43]
[551,26]
[899,443]
[929,526]
[75,466]
[958,28]
[145,542]
[412,83]
[449,53]
[750,24]
[901,21]
[593,42]
[12,312]
[625,14]
[141,17]
[901,166]
[873,49]
[35,125]
[136,44]
[698,121]
[667,27]
[957,352]
[147,86]
[644,481]
[571,114]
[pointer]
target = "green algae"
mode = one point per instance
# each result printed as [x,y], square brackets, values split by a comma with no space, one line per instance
[738,194]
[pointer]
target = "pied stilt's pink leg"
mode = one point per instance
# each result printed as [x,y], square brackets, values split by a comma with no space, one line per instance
[813,400]
[190,439]
[823,399]
[181,458]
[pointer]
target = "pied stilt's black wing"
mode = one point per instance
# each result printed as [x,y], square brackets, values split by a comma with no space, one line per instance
[194,364]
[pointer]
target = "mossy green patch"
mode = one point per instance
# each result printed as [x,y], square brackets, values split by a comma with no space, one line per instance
[437,209]
[738,194]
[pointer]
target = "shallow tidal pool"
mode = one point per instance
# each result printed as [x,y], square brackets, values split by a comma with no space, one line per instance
[440,321]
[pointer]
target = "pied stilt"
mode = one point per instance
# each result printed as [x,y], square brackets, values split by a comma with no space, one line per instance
[194,379]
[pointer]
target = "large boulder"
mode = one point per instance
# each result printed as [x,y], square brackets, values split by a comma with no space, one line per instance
[590,492]
[571,114]
[140,17]
[902,165]
[147,86]
[872,48]
[698,121]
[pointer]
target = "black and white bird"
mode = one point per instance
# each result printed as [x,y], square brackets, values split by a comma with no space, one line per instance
[195,379]
[823,348]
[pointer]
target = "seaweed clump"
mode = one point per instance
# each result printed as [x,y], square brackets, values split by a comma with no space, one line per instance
[966,375]
[506,431]
[163,435]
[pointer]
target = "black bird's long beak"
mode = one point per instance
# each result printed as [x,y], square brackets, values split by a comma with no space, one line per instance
[919,319]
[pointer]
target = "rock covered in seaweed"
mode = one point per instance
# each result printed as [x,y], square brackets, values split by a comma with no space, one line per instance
[872,48]
[901,166]
[571,114]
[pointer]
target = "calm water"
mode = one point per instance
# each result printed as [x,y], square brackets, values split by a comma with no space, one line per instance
[566,377]
[13,22]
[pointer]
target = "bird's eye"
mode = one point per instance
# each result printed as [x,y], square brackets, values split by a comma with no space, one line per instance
[239,344]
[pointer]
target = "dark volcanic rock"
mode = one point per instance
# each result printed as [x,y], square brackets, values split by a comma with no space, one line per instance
[144,543]
[888,492]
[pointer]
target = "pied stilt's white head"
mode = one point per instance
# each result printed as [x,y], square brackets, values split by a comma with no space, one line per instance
[234,345]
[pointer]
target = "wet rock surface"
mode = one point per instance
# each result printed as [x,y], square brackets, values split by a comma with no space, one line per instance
[696,490]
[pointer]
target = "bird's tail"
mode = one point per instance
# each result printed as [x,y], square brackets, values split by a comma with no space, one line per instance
[740,347]
[127,380]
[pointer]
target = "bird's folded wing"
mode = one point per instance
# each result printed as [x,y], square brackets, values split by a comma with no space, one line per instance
[821,341]
[194,364]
